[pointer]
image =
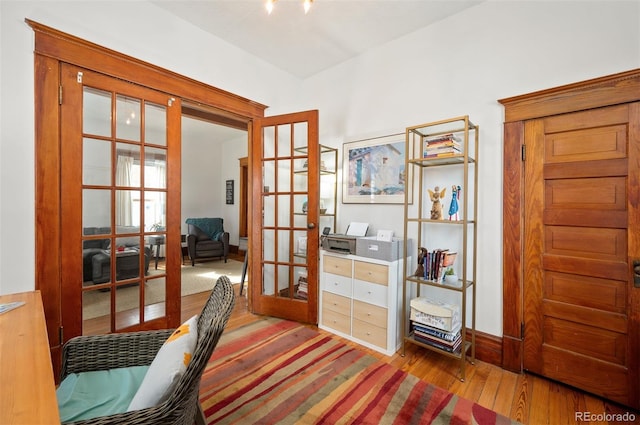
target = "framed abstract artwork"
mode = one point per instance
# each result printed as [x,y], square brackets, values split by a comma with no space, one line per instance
[374,171]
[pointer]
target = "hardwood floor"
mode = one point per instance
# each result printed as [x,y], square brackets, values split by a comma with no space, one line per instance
[527,398]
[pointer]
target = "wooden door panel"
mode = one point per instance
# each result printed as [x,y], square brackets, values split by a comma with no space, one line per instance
[592,169]
[603,294]
[588,119]
[599,244]
[587,218]
[587,144]
[597,320]
[578,193]
[591,341]
[586,267]
[579,327]
[592,375]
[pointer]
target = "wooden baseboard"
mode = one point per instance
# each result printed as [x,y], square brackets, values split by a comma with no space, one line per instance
[488,347]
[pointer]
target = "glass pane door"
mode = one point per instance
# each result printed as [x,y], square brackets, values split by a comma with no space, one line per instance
[120,227]
[285,222]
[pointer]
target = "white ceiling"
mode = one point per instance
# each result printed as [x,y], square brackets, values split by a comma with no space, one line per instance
[332,32]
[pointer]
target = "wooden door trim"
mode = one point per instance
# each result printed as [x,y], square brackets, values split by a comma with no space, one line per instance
[52,48]
[595,93]
[243,191]
[76,51]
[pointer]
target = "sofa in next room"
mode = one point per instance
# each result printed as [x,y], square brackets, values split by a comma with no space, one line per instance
[96,255]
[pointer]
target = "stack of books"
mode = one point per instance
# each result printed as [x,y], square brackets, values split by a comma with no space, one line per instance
[449,341]
[303,287]
[442,146]
[435,263]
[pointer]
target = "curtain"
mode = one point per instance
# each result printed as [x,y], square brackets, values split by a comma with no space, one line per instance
[123,197]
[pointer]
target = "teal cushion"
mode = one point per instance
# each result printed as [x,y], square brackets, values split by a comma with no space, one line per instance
[101,393]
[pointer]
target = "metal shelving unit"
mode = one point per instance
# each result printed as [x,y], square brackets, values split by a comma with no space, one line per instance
[328,188]
[460,233]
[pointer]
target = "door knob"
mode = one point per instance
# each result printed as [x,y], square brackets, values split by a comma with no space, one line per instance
[311,226]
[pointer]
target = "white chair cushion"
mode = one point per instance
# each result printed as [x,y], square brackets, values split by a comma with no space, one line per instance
[167,367]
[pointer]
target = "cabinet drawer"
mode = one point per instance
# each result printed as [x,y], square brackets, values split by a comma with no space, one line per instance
[376,273]
[337,284]
[336,303]
[337,321]
[371,293]
[370,313]
[370,333]
[337,265]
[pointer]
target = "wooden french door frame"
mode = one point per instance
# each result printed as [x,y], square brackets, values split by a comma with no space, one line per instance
[52,48]
[73,185]
[285,306]
[596,93]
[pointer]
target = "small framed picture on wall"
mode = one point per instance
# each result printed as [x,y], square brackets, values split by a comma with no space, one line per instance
[229,192]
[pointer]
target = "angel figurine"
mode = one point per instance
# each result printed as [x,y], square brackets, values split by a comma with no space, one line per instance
[436,206]
[453,208]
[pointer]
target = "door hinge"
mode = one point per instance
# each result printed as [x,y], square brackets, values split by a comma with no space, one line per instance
[61,335]
[524,152]
[60,95]
[170,101]
[522,330]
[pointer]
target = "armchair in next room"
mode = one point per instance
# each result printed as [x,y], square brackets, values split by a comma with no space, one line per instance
[206,239]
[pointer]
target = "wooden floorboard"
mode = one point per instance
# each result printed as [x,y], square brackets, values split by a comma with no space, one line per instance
[527,398]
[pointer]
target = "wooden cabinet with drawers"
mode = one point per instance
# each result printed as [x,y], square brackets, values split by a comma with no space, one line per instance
[360,299]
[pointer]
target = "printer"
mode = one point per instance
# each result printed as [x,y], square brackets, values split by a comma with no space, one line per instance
[345,243]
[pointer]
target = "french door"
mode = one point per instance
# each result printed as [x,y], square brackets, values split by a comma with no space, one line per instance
[120,177]
[284,240]
[581,277]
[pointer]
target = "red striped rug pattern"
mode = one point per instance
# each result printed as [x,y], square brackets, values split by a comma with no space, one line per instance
[280,372]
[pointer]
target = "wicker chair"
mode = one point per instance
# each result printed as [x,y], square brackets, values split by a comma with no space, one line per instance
[90,353]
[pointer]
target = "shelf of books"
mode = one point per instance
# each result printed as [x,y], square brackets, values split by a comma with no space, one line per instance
[439,289]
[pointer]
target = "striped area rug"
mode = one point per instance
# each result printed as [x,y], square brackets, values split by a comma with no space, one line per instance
[280,372]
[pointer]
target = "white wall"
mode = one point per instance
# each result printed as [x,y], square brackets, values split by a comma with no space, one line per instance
[210,157]
[232,151]
[459,66]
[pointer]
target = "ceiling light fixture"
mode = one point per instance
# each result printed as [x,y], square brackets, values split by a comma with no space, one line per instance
[269,6]
[306,4]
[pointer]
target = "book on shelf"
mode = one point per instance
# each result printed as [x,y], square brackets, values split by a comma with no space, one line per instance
[443,146]
[435,263]
[450,347]
[444,138]
[438,333]
[444,340]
